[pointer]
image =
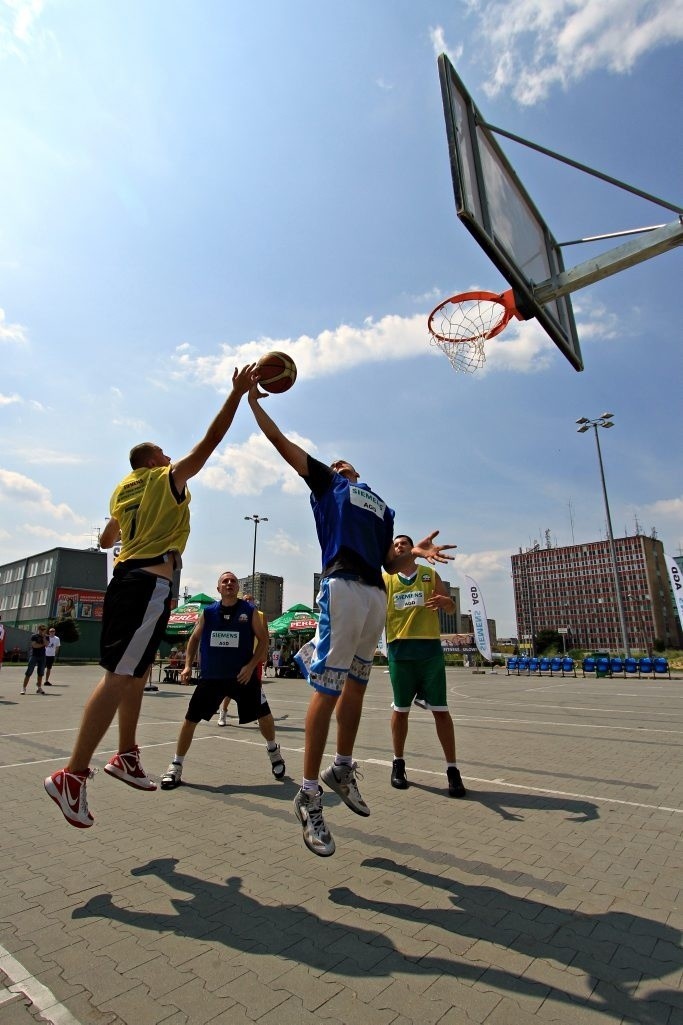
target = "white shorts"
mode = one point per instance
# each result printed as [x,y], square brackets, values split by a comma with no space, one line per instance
[352,615]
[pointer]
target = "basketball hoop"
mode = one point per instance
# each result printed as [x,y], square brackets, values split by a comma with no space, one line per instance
[459,326]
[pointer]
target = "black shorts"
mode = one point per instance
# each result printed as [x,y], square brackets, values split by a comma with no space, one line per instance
[49,661]
[134,617]
[206,700]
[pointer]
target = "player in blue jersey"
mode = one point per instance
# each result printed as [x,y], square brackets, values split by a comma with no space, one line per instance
[232,640]
[355,530]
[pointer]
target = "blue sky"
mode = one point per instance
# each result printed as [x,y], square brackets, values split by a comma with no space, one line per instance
[186,185]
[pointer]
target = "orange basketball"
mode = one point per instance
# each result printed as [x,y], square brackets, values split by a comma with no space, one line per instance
[277,372]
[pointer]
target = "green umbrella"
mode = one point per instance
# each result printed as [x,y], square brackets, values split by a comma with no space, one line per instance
[298,619]
[184,618]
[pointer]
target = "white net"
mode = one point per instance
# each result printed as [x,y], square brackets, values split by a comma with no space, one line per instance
[465,357]
[459,328]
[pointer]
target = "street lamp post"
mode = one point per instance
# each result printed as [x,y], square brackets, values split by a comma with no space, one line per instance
[255,520]
[605,420]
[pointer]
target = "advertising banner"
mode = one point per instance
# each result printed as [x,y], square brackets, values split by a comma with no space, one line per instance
[480,623]
[72,603]
[676,580]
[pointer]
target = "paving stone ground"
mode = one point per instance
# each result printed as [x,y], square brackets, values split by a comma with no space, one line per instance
[552,894]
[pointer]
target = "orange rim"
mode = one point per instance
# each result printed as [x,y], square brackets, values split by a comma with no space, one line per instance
[467,321]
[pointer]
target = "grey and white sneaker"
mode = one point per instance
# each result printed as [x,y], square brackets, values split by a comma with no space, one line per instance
[342,779]
[308,807]
[172,777]
[277,763]
[223,717]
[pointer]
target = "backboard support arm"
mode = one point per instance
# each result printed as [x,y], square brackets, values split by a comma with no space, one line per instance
[660,240]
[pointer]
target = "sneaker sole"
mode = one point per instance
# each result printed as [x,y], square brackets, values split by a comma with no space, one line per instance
[278,769]
[336,787]
[115,773]
[167,784]
[52,791]
[314,850]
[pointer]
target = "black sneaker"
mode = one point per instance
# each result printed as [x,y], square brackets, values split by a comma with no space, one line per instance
[398,774]
[456,787]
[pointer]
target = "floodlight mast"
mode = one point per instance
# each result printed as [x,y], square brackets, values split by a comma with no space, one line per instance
[605,420]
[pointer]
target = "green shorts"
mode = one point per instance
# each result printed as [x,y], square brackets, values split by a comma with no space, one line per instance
[423,678]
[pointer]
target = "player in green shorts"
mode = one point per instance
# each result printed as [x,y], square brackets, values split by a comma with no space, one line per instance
[416,662]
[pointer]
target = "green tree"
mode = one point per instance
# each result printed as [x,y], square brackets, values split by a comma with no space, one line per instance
[548,640]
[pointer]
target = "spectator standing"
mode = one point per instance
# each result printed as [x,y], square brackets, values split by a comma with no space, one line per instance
[36,659]
[51,653]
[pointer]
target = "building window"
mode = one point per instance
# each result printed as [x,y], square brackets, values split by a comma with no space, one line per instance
[27,600]
[32,569]
[47,565]
[41,597]
[19,573]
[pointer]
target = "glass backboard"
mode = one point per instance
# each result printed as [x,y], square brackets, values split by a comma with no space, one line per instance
[496,208]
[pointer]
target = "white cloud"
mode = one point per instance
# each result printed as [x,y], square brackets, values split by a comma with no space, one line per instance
[250,468]
[439,44]
[537,45]
[8,400]
[11,332]
[15,487]
[666,513]
[283,544]
[522,347]
[483,566]
[58,537]
[44,456]
[18,20]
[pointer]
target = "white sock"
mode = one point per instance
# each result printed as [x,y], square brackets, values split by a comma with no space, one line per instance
[310,784]
[271,745]
[343,759]
[179,759]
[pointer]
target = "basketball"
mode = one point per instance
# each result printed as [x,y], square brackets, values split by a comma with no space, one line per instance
[277,372]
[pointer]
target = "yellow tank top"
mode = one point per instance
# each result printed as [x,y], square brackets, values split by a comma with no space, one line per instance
[153,519]
[407,618]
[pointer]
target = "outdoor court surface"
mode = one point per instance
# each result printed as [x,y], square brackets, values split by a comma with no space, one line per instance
[551,894]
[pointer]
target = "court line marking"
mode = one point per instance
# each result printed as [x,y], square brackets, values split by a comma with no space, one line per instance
[566,725]
[538,790]
[40,996]
[428,772]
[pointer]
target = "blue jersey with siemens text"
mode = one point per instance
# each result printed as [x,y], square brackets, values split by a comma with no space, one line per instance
[227,641]
[352,519]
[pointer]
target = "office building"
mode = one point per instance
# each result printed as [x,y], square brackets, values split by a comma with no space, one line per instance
[267,591]
[572,589]
[59,584]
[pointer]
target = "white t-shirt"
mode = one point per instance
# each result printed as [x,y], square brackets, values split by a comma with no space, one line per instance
[52,646]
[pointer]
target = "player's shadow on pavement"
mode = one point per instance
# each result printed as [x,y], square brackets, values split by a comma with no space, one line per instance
[278,789]
[223,914]
[615,950]
[507,804]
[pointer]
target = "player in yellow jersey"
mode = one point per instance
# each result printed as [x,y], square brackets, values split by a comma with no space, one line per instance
[416,662]
[150,516]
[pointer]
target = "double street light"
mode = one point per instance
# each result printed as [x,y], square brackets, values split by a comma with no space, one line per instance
[256,520]
[605,420]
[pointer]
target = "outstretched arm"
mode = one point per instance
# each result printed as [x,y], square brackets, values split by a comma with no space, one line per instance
[291,453]
[424,549]
[441,599]
[192,463]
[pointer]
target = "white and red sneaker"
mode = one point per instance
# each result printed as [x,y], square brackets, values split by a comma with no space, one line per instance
[126,767]
[67,790]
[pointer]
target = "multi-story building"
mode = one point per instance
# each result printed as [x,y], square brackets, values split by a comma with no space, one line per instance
[267,590]
[572,589]
[62,583]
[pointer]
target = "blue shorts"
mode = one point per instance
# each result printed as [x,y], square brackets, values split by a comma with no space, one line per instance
[352,615]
